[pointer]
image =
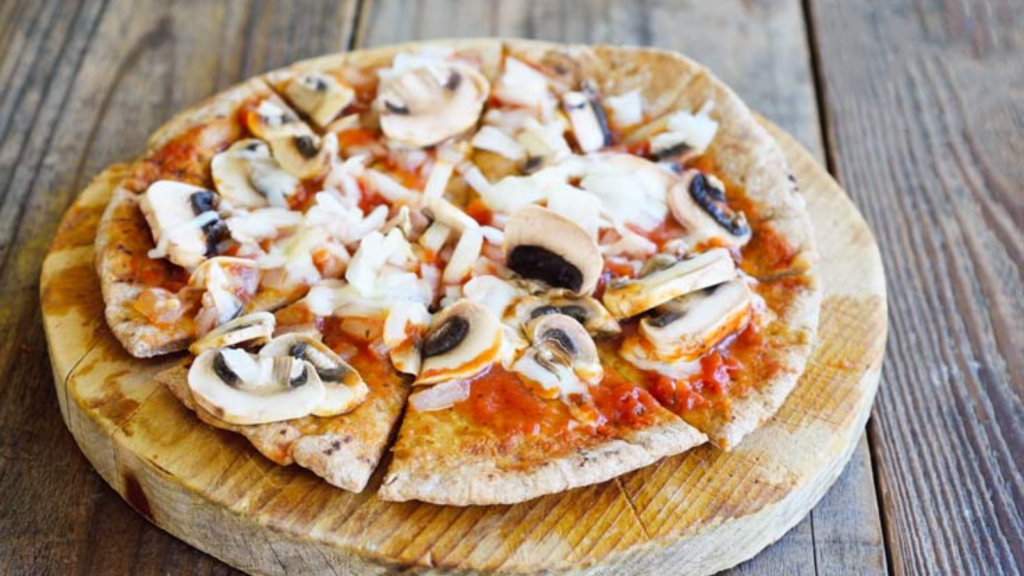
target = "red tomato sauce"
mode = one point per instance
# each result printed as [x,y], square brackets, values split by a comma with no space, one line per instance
[499,400]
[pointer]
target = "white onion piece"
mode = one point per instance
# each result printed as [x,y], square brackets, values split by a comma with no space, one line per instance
[388,187]
[626,109]
[435,236]
[475,178]
[492,292]
[492,235]
[438,180]
[465,254]
[261,223]
[493,140]
[695,130]
[441,396]
[400,316]
[523,85]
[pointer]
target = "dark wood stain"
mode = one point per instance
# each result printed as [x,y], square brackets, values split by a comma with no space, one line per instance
[78,228]
[135,495]
[74,288]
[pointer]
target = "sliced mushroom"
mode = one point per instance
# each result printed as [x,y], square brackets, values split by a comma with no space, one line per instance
[242,388]
[686,328]
[585,310]
[562,357]
[542,245]
[247,176]
[403,334]
[273,118]
[443,211]
[589,123]
[251,330]
[228,283]
[302,155]
[344,387]
[432,103]
[625,298]
[319,96]
[462,340]
[184,222]
[698,202]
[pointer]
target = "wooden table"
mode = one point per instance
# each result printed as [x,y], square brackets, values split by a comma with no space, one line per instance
[916,106]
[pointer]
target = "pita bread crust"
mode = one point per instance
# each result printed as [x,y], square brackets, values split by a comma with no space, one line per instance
[343,450]
[122,237]
[793,337]
[446,474]
[746,155]
[219,106]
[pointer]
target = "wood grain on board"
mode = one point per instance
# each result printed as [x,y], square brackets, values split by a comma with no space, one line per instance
[925,115]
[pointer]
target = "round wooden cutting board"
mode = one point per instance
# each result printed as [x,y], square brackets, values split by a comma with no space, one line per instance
[697,513]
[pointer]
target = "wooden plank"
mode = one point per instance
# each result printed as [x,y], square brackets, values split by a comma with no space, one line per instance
[925,107]
[82,84]
[760,49]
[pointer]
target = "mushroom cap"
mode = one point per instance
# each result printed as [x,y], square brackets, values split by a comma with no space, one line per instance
[686,328]
[344,387]
[561,357]
[273,118]
[432,103]
[631,297]
[698,203]
[247,176]
[462,340]
[319,96]
[545,246]
[242,388]
[302,155]
[251,329]
[585,310]
[183,218]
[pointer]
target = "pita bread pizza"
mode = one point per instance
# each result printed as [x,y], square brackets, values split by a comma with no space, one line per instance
[518,267]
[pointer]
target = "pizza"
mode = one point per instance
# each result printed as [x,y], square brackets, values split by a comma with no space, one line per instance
[522,267]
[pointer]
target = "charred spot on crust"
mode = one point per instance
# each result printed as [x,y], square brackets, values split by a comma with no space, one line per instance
[542,264]
[400,109]
[305,145]
[446,337]
[202,201]
[712,201]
